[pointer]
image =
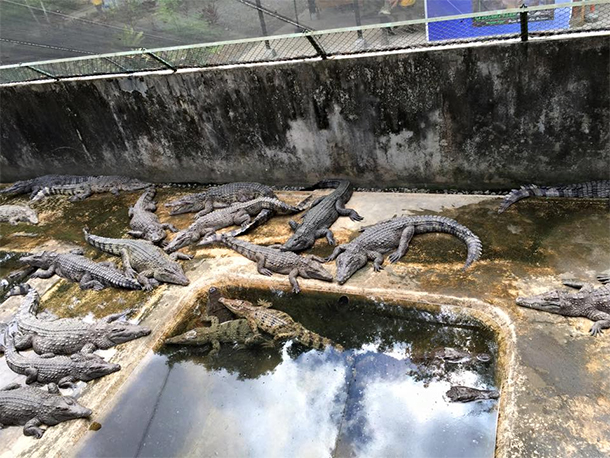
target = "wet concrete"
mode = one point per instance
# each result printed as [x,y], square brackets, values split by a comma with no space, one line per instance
[555,377]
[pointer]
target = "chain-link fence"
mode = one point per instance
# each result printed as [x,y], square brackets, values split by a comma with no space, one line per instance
[513,23]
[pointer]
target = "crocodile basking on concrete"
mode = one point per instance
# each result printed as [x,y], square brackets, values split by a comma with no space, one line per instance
[14,214]
[270,260]
[592,189]
[218,197]
[239,214]
[32,407]
[65,336]
[277,323]
[63,370]
[34,185]
[588,302]
[467,394]
[144,223]
[143,260]
[75,267]
[323,213]
[92,185]
[396,234]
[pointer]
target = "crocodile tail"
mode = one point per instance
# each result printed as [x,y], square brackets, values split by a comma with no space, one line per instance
[19,290]
[330,183]
[517,194]
[29,306]
[604,278]
[312,340]
[102,243]
[475,249]
[223,238]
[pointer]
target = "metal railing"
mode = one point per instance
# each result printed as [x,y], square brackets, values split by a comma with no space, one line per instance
[517,23]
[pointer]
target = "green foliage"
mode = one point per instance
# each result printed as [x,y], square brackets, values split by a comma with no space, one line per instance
[129,37]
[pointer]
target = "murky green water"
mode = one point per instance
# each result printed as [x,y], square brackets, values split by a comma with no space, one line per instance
[378,398]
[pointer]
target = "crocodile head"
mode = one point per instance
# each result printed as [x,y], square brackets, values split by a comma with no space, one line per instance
[42,259]
[155,234]
[558,302]
[237,306]
[187,204]
[299,242]
[119,332]
[90,366]
[348,263]
[182,239]
[314,269]
[171,273]
[132,184]
[63,408]
[30,216]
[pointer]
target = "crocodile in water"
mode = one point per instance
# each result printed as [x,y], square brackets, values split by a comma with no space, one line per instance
[32,407]
[93,185]
[237,214]
[270,260]
[277,323]
[218,197]
[14,214]
[593,189]
[144,223]
[467,394]
[588,302]
[323,213]
[395,234]
[63,370]
[143,260]
[65,336]
[75,267]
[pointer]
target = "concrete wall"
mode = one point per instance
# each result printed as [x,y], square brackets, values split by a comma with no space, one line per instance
[472,117]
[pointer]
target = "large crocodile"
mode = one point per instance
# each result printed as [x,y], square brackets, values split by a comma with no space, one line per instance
[277,323]
[143,260]
[460,393]
[219,197]
[32,407]
[323,213]
[14,214]
[593,189]
[33,185]
[65,336]
[270,260]
[92,185]
[63,370]
[395,234]
[144,223]
[588,302]
[75,267]
[237,214]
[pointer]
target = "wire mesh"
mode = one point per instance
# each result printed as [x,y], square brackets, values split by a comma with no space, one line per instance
[436,29]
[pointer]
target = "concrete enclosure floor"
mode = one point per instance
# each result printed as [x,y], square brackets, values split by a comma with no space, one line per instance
[556,377]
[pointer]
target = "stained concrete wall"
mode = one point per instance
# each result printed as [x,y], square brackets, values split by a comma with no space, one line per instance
[469,117]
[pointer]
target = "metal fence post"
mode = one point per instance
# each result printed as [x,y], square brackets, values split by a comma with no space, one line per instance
[261,18]
[523,17]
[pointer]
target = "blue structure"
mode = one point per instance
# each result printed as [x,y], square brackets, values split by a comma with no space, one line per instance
[501,24]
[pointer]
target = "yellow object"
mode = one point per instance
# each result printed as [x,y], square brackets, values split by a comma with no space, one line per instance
[97,2]
[407,2]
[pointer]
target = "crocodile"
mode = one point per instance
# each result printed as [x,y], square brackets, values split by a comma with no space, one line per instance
[144,223]
[453,356]
[33,185]
[466,394]
[276,323]
[75,267]
[92,185]
[15,278]
[270,260]
[65,336]
[32,407]
[143,260]
[323,213]
[588,302]
[237,214]
[395,234]
[14,214]
[60,369]
[218,197]
[592,189]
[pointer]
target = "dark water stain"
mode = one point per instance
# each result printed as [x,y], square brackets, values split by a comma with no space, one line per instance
[374,399]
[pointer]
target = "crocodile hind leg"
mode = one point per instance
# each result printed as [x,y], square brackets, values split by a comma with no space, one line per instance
[44,273]
[31,375]
[86,282]
[403,246]
[602,321]
[260,265]
[215,347]
[32,428]
[169,227]
[353,214]
[23,341]
[292,276]
[129,271]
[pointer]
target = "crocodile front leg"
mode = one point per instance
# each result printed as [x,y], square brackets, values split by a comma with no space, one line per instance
[215,347]
[136,234]
[403,246]
[45,273]
[169,227]
[602,321]
[143,279]
[326,233]
[129,271]
[23,341]
[32,428]
[353,214]
[292,276]
[377,259]
[177,255]
[67,382]
[336,252]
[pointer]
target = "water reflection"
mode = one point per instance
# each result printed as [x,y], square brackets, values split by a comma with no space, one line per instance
[374,399]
